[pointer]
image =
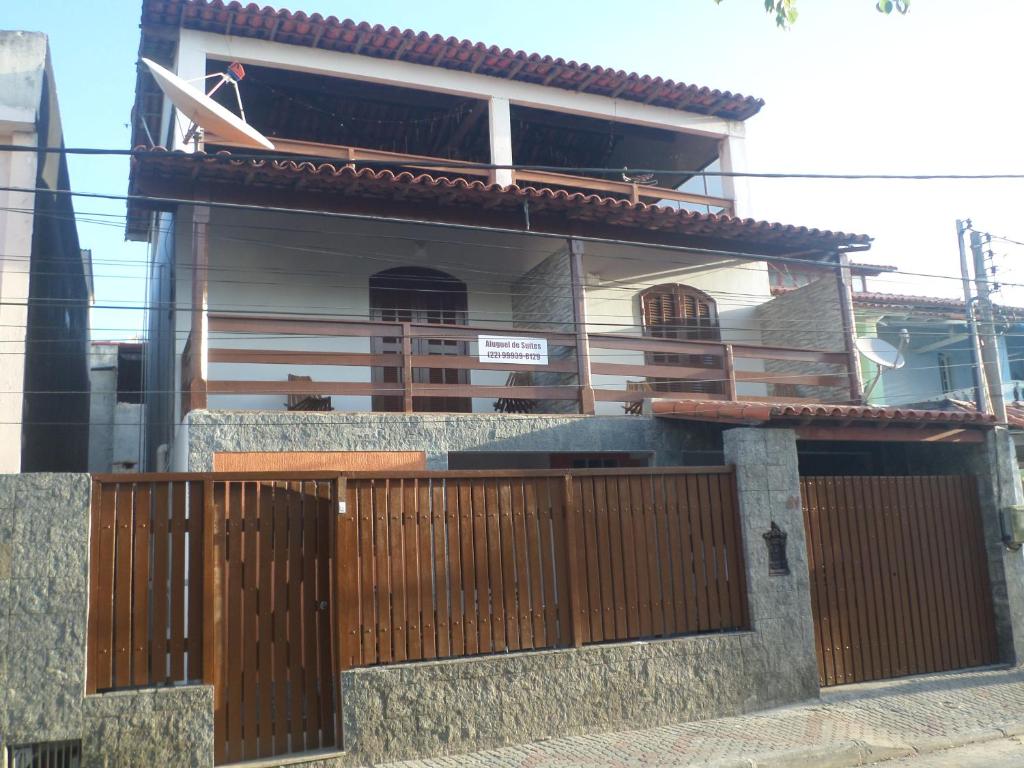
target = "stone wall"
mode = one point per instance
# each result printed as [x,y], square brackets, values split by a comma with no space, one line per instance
[809,317]
[438,434]
[469,704]
[151,727]
[44,541]
[542,301]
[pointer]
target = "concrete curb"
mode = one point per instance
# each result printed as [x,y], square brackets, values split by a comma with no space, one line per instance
[849,753]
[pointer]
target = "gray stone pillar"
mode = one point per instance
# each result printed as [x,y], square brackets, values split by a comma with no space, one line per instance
[44,546]
[999,485]
[768,483]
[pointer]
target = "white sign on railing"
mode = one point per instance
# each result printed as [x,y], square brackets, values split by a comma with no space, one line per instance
[517,350]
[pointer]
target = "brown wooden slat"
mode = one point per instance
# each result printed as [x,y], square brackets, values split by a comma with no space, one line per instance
[575,623]
[670,563]
[481,599]
[697,512]
[709,545]
[920,609]
[619,490]
[553,537]
[177,575]
[644,486]
[936,576]
[194,641]
[311,611]
[233,590]
[510,609]
[158,647]
[524,601]
[811,527]
[830,535]
[464,607]
[265,616]
[871,549]
[958,629]
[123,587]
[532,522]
[330,495]
[734,548]
[726,620]
[398,583]
[848,549]
[281,509]
[360,496]
[250,623]
[93,626]
[296,619]
[442,568]
[976,549]
[382,551]
[961,532]
[140,567]
[597,583]
[214,637]
[410,533]
[646,551]
[428,613]
[496,588]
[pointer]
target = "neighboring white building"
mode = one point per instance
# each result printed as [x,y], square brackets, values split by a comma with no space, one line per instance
[44,383]
[115,406]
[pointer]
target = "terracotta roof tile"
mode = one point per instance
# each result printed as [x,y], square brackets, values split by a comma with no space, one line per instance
[154,167]
[757,412]
[347,36]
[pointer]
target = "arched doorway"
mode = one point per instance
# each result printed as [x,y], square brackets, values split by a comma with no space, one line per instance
[424,296]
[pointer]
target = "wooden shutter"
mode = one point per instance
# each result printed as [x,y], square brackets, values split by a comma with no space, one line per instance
[674,311]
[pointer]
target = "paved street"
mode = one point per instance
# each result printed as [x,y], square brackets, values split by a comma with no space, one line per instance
[849,726]
[1002,753]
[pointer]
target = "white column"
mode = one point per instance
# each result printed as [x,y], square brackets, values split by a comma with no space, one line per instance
[190,64]
[734,158]
[500,122]
[17,169]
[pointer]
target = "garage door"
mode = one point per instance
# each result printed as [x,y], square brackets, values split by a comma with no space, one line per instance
[899,580]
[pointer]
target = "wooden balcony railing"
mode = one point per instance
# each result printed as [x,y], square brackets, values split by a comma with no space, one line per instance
[409,361]
[442,166]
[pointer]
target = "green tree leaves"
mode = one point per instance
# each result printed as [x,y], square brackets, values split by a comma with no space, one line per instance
[785,10]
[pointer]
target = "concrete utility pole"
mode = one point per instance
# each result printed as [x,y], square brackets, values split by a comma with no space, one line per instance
[987,330]
[978,370]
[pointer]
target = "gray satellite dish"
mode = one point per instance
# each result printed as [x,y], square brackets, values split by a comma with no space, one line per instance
[203,111]
[883,354]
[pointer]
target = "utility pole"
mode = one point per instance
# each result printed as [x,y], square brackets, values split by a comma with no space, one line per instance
[987,330]
[980,390]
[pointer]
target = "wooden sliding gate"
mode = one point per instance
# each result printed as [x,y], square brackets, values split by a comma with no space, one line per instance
[267,586]
[899,579]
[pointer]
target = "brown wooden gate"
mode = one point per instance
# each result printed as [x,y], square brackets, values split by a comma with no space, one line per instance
[271,636]
[899,579]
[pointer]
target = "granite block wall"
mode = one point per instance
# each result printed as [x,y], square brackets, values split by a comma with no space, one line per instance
[809,317]
[44,541]
[542,301]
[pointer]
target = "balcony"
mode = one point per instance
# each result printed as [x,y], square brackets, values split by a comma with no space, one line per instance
[424,367]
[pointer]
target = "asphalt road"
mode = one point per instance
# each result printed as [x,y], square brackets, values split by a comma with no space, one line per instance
[1002,753]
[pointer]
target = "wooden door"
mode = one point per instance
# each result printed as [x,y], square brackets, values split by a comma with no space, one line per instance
[899,578]
[424,297]
[274,681]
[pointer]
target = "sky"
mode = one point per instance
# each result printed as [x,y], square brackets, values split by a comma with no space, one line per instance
[847,90]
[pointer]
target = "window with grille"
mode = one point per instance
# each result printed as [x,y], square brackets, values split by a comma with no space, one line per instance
[674,311]
[49,754]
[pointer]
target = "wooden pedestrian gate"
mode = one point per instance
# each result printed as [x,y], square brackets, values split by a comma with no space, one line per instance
[899,579]
[269,585]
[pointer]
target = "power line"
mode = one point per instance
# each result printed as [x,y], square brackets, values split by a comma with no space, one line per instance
[462,164]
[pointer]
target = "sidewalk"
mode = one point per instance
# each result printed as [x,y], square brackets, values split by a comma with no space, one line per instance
[852,725]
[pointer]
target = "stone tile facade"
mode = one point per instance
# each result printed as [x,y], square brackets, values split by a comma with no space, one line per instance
[44,544]
[437,434]
[151,727]
[809,317]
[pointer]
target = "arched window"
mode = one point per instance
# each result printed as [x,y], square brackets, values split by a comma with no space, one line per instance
[674,311]
[426,296]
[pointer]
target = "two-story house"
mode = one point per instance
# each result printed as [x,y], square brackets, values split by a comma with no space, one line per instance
[428,197]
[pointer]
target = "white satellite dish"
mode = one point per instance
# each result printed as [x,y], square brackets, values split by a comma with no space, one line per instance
[204,112]
[883,354]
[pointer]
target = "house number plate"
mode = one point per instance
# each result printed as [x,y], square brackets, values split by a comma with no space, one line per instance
[515,350]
